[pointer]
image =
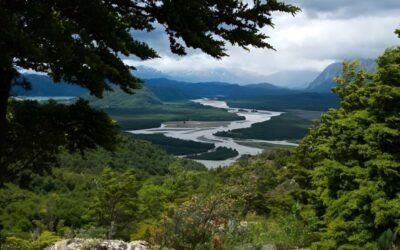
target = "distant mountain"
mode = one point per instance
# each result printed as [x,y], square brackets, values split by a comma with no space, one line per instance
[156,90]
[170,90]
[211,75]
[148,73]
[118,99]
[43,85]
[294,79]
[264,86]
[325,81]
[290,79]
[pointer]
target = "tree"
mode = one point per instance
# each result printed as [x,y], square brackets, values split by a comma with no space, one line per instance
[40,131]
[115,203]
[80,41]
[350,162]
[152,199]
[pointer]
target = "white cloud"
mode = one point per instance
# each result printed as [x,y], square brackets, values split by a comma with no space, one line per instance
[305,42]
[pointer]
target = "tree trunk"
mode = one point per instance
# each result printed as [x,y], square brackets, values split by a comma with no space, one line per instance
[6,77]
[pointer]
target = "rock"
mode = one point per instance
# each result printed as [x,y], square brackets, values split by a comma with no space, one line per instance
[98,244]
[248,247]
[138,245]
[269,247]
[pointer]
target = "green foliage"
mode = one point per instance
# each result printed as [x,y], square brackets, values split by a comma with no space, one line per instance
[45,239]
[60,201]
[176,146]
[200,224]
[38,132]
[94,35]
[114,205]
[259,184]
[81,43]
[349,163]
[249,205]
[19,210]
[388,241]
[129,153]
[287,230]
[53,203]
[183,207]
[152,200]
[84,40]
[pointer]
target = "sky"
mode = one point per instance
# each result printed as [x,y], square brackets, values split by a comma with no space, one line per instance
[326,31]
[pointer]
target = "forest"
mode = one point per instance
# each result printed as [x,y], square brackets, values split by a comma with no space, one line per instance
[69,170]
[336,190]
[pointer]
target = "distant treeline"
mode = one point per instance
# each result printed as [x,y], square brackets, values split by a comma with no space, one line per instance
[176,146]
[219,154]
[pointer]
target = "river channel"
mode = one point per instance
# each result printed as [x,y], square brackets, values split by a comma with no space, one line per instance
[204,131]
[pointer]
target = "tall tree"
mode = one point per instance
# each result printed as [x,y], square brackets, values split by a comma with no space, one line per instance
[350,162]
[81,41]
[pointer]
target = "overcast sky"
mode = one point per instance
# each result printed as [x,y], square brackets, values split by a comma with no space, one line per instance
[325,31]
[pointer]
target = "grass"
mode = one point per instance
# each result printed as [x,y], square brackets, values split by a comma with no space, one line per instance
[219,154]
[292,125]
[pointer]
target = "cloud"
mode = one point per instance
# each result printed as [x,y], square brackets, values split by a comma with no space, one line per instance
[324,32]
[346,8]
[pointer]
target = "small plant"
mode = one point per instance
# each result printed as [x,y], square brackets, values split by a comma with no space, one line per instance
[388,241]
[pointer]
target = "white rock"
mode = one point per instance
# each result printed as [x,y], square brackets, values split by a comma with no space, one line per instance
[98,244]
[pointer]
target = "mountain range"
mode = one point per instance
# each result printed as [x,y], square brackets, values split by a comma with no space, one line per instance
[296,79]
[43,85]
[170,90]
[166,89]
[162,88]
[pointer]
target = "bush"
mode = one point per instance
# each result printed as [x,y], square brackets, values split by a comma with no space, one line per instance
[45,239]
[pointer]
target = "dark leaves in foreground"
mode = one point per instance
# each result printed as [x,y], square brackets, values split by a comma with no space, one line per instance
[38,131]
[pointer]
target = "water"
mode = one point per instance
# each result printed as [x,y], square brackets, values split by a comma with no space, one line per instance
[205,133]
[44,98]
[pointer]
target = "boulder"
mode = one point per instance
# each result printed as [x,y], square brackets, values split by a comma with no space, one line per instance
[98,244]
[269,247]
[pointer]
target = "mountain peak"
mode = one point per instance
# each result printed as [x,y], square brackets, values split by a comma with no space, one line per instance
[325,81]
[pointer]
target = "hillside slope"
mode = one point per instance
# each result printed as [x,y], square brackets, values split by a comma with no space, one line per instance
[43,85]
[325,81]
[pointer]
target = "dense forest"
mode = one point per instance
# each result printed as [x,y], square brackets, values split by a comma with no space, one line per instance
[337,190]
